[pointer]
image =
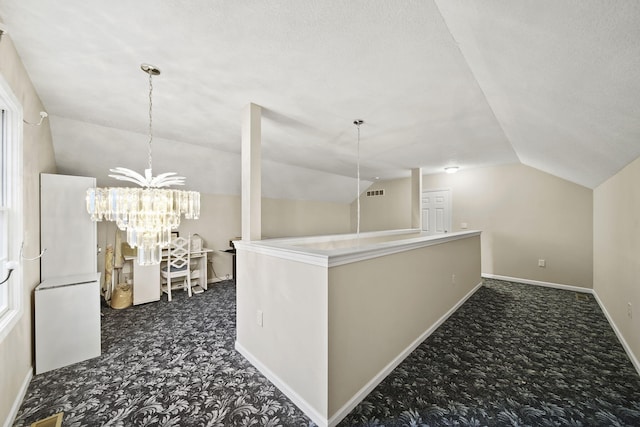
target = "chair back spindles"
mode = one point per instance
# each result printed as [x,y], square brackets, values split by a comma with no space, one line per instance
[178,266]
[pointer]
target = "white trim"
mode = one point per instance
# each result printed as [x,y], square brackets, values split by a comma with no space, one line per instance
[398,246]
[14,115]
[289,254]
[627,348]
[539,283]
[19,398]
[373,383]
[625,345]
[292,249]
[297,400]
[364,391]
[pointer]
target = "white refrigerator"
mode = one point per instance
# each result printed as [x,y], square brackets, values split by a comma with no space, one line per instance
[67,300]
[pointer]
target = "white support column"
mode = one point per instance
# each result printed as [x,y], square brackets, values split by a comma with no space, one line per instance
[251,173]
[416,198]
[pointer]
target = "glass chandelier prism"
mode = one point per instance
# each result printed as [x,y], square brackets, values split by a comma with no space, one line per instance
[150,213]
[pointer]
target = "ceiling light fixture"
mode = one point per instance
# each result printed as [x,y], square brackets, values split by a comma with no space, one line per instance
[451,169]
[150,213]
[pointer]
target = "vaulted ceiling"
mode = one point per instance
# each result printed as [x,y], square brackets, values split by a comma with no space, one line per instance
[551,84]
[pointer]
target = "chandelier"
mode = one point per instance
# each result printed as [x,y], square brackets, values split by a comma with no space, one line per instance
[147,214]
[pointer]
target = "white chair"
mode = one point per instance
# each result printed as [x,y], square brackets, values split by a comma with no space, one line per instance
[178,266]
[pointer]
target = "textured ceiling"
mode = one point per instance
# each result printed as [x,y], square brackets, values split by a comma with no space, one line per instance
[561,78]
[473,83]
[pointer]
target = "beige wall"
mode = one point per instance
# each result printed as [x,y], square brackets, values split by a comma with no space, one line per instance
[295,218]
[292,342]
[524,215]
[391,211]
[616,251]
[16,351]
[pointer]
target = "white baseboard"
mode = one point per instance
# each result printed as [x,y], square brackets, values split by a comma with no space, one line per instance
[627,349]
[284,387]
[213,280]
[539,283]
[373,383]
[19,398]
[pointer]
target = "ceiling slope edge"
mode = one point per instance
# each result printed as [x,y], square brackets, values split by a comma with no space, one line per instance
[88,149]
[475,78]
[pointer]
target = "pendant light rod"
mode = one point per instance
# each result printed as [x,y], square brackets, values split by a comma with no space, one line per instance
[358,123]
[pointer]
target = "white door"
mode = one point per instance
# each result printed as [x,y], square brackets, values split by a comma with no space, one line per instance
[436,211]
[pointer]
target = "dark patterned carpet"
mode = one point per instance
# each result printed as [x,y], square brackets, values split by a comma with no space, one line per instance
[511,355]
[164,364]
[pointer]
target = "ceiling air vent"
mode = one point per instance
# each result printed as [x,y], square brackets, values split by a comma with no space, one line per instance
[372,193]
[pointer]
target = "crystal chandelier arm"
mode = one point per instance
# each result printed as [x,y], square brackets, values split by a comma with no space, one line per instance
[168,183]
[129,175]
[167,179]
[126,178]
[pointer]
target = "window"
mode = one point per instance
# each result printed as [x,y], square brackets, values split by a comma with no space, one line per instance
[10,206]
[4,226]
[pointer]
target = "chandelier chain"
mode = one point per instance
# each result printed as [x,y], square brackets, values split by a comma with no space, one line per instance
[150,117]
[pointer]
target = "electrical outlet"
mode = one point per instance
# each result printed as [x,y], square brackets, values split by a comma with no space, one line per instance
[259,318]
[542,263]
[629,310]
[453,279]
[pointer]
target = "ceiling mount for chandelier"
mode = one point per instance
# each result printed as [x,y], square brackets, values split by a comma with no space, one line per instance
[148,214]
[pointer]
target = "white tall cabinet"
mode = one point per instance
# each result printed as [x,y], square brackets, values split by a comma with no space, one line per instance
[66,230]
[67,301]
